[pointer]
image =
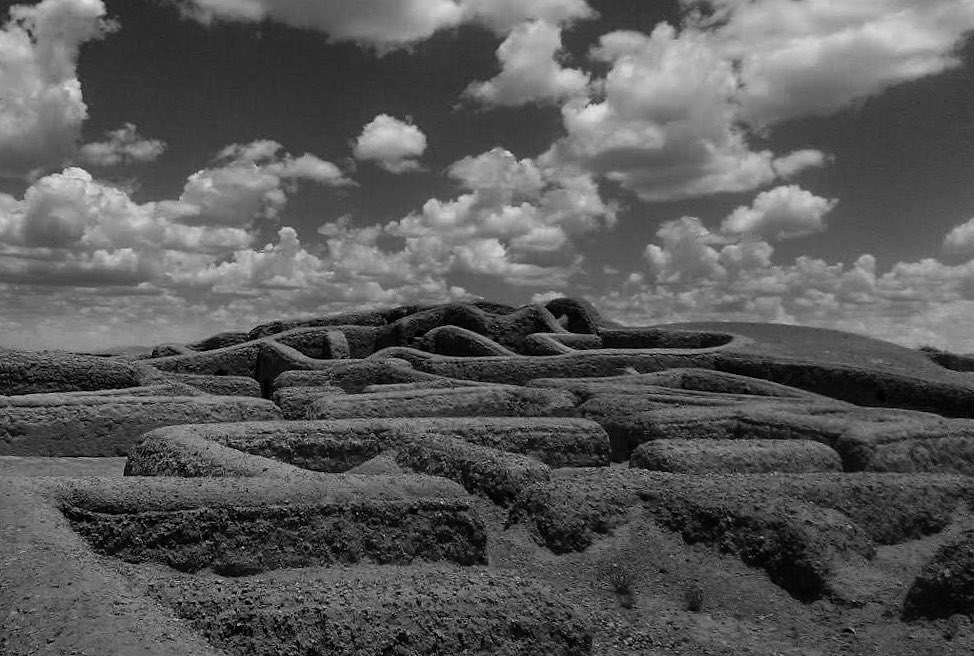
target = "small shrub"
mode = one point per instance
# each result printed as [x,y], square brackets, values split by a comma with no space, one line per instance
[623,582]
[693,597]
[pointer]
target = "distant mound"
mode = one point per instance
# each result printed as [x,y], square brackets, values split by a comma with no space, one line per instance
[825,345]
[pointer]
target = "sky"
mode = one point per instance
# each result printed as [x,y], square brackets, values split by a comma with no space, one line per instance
[170,169]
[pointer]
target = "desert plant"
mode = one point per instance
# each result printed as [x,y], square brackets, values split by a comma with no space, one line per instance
[694,597]
[623,582]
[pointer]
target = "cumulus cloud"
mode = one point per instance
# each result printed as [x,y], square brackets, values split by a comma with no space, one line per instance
[70,224]
[41,104]
[387,24]
[675,114]
[251,182]
[516,221]
[695,274]
[504,15]
[960,239]
[665,126]
[381,23]
[123,146]
[530,71]
[72,210]
[392,144]
[816,56]
[784,212]
[911,303]
[515,224]
[355,272]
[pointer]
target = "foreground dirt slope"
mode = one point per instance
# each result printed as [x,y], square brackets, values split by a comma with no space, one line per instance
[483,479]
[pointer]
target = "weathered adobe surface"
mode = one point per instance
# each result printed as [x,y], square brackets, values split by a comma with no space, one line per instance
[489,401]
[109,425]
[701,456]
[26,372]
[219,385]
[798,528]
[294,402]
[423,610]
[955,361]
[239,527]
[945,586]
[332,523]
[338,445]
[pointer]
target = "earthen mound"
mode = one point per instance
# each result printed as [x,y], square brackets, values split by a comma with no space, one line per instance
[458,478]
[945,586]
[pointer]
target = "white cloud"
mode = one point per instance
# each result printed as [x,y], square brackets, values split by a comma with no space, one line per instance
[674,116]
[694,274]
[687,253]
[542,298]
[817,56]
[516,222]
[784,212]
[72,210]
[530,72]
[793,163]
[503,15]
[961,239]
[282,265]
[70,224]
[250,182]
[380,23]
[392,144]
[665,126]
[41,105]
[123,146]
[355,271]
[387,24]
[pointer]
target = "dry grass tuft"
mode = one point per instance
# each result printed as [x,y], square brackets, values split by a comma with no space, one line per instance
[623,581]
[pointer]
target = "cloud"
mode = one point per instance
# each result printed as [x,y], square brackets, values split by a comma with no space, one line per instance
[285,274]
[816,56]
[665,126]
[784,212]
[380,23]
[386,24]
[676,113]
[392,144]
[694,274]
[504,15]
[250,182]
[688,253]
[70,228]
[123,146]
[530,72]
[960,239]
[516,222]
[41,105]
